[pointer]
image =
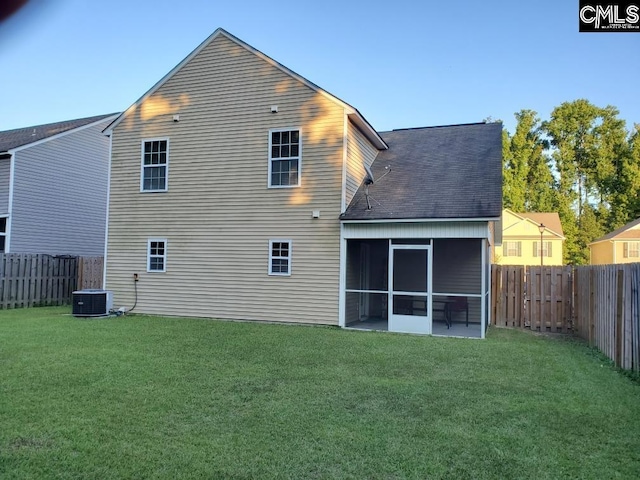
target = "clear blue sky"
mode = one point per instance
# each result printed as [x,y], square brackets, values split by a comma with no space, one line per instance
[401,63]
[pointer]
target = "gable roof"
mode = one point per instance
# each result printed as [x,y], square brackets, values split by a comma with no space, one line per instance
[622,233]
[10,139]
[445,172]
[551,220]
[354,115]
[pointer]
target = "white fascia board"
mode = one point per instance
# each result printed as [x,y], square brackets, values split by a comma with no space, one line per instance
[352,112]
[365,127]
[59,135]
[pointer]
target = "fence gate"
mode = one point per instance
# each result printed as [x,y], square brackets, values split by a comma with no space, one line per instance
[507,284]
[539,298]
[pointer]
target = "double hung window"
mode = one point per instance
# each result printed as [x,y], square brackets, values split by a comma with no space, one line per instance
[631,249]
[285,157]
[155,164]
[279,257]
[157,255]
[512,249]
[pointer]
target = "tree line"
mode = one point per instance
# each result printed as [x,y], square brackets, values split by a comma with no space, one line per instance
[582,163]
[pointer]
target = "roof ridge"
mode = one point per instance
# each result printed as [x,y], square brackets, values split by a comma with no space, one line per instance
[443,126]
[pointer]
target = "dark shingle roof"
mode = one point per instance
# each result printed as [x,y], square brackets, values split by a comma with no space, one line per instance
[22,136]
[443,172]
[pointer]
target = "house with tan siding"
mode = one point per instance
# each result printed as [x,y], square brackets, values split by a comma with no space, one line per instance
[620,246]
[53,187]
[241,190]
[524,243]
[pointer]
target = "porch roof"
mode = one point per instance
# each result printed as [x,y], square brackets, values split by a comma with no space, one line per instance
[446,172]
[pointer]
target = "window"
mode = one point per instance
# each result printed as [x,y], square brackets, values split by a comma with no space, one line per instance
[157,255]
[631,249]
[155,162]
[3,233]
[546,249]
[284,158]
[279,257]
[512,249]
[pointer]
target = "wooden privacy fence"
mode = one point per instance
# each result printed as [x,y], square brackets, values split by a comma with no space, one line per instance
[28,280]
[90,272]
[607,311]
[539,298]
[600,303]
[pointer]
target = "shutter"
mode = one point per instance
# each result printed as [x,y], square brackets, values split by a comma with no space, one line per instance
[535,249]
[549,249]
[625,249]
[519,245]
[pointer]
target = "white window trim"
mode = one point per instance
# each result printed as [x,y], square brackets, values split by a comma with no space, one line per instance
[286,129]
[290,257]
[166,171]
[164,257]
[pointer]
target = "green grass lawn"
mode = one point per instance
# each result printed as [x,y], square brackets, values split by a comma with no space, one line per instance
[152,397]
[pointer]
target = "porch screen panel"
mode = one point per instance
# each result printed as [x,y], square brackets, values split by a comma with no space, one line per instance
[410,271]
[457,266]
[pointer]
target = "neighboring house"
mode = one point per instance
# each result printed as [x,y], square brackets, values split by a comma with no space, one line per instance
[522,242]
[620,246]
[53,187]
[237,191]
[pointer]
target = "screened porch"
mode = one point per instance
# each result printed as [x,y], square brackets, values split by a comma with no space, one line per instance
[432,286]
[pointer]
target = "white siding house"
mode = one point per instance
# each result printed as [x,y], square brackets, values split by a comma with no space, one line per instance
[53,187]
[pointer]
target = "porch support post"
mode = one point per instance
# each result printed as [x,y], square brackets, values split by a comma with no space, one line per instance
[483,289]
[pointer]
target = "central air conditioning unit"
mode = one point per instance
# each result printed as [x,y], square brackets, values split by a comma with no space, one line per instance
[92,303]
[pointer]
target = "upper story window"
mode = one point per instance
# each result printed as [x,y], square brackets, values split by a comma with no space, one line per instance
[285,152]
[155,164]
[512,249]
[631,249]
[157,255]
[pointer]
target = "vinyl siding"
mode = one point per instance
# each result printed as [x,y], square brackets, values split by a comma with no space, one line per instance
[359,151]
[218,214]
[417,230]
[602,253]
[60,194]
[5,172]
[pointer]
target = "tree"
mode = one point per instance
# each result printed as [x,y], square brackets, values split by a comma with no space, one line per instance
[528,184]
[595,177]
